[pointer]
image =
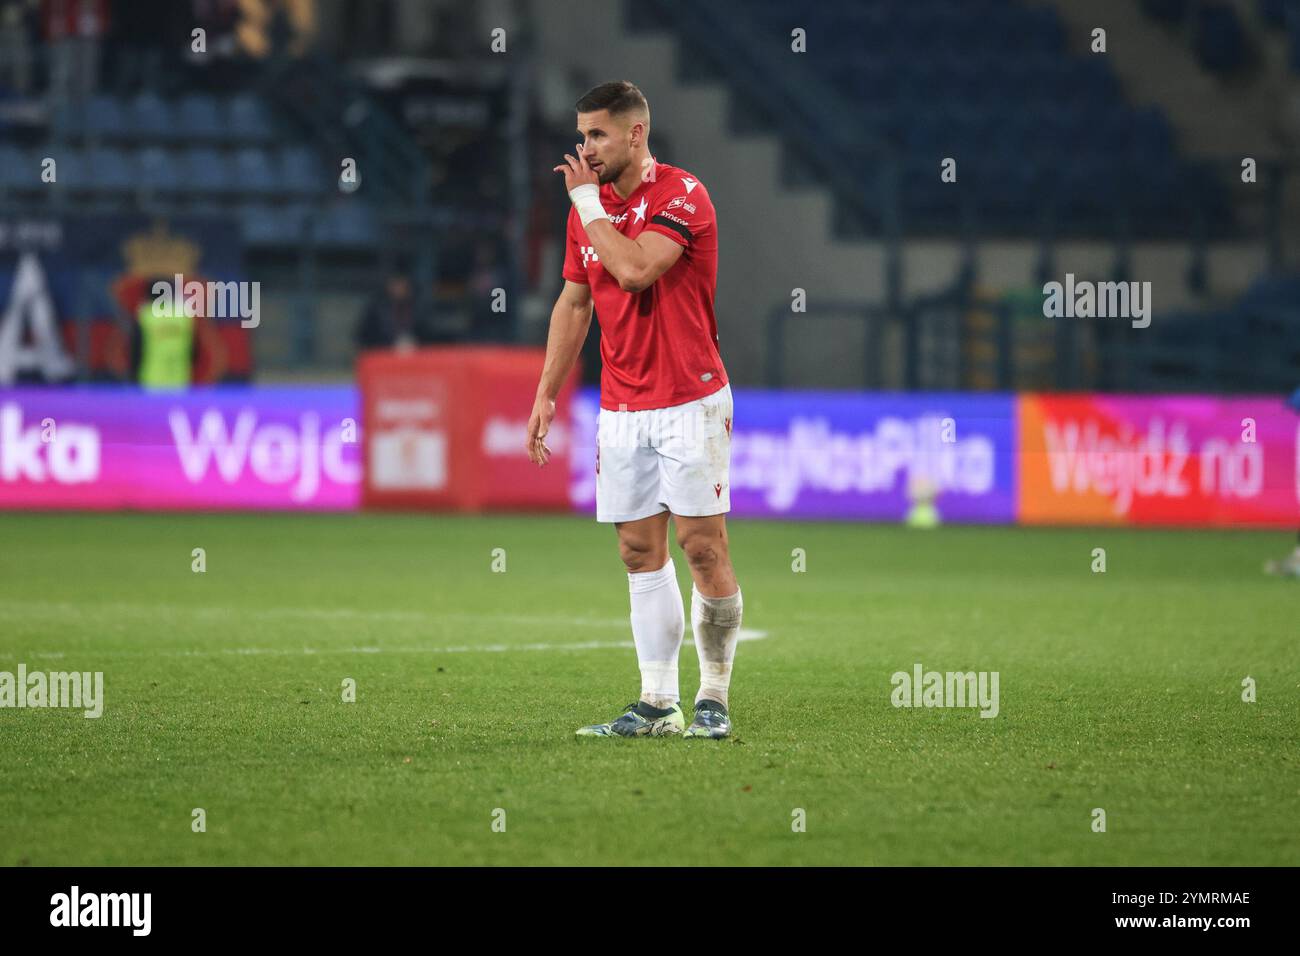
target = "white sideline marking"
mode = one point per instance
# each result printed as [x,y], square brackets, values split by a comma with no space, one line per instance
[746,634]
[313,613]
[307,613]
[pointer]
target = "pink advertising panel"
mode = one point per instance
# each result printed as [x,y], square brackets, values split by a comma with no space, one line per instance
[103,448]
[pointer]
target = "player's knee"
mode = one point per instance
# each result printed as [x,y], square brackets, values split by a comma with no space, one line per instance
[703,551]
[641,555]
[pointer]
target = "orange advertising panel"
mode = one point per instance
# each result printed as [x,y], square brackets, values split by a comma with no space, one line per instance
[1158,460]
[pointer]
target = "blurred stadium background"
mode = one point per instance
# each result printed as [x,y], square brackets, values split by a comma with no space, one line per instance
[381,170]
[1125,165]
[212,139]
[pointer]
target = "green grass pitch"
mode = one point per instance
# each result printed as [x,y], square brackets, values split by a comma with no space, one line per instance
[1120,691]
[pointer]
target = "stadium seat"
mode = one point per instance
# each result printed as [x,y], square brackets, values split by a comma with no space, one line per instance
[105,116]
[249,120]
[158,171]
[1149,134]
[149,119]
[347,223]
[255,173]
[111,170]
[73,171]
[301,172]
[1219,39]
[1273,13]
[206,172]
[1282,291]
[20,170]
[199,118]
[265,225]
[1043,30]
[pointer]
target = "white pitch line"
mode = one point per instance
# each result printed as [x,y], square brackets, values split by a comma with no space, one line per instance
[314,613]
[306,613]
[746,634]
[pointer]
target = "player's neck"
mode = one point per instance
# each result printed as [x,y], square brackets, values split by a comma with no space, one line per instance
[632,177]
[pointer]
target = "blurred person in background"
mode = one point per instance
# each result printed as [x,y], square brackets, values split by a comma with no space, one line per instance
[17,48]
[487,275]
[146,34]
[220,66]
[391,320]
[366,26]
[269,27]
[74,30]
[1288,567]
[164,348]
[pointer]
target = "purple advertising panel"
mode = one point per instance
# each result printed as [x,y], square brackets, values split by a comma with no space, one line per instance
[102,448]
[883,457]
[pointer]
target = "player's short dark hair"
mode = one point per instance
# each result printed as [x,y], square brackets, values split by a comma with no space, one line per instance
[617,96]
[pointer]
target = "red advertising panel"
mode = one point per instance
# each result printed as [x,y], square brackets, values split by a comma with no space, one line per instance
[1159,460]
[446,428]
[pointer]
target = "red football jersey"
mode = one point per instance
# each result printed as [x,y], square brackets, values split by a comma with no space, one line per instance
[659,346]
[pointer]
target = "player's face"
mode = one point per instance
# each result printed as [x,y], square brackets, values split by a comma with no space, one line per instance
[606,143]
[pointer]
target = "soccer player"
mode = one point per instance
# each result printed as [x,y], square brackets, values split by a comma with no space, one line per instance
[1288,567]
[642,245]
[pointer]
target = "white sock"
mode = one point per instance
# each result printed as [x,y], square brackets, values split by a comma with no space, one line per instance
[716,622]
[658,626]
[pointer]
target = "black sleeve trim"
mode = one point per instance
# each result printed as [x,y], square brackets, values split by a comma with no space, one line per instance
[676,227]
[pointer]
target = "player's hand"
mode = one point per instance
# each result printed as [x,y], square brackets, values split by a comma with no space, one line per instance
[539,423]
[576,171]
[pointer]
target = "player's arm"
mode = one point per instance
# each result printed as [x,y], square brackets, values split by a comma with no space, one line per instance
[635,263]
[570,322]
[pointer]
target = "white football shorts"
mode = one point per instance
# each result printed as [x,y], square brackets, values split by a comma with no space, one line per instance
[675,459]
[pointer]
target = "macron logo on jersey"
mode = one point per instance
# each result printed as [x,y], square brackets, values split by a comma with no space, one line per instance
[689,184]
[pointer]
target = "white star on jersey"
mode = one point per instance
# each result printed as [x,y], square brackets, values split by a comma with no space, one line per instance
[640,210]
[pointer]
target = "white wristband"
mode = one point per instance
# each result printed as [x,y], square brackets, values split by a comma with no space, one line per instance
[586,199]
